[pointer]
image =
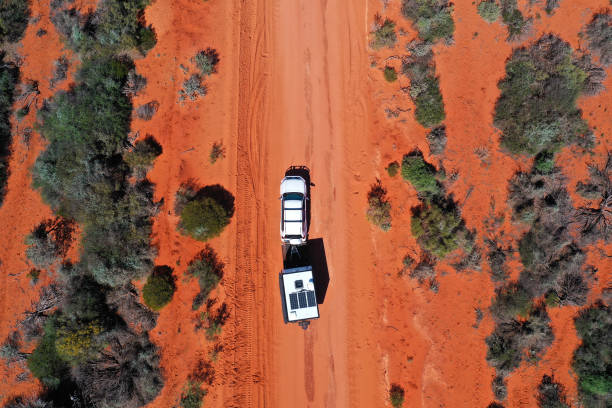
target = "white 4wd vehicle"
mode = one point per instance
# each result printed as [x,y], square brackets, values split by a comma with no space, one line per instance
[293,227]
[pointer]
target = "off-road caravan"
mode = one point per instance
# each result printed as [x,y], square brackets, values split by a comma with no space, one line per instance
[298,295]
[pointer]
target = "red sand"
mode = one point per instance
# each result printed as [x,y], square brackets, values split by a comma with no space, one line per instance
[295,87]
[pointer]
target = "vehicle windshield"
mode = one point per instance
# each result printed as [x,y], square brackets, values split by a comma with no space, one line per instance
[293,196]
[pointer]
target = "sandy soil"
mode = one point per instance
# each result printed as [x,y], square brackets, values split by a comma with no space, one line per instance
[298,85]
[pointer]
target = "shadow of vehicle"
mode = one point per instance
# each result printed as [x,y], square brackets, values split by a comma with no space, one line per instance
[303,172]
[311,254]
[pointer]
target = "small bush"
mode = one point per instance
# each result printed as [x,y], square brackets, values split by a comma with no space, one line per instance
[217,152]
[420,174]
[203,219]
[60,70]
[45,362]
[489,10]
[393,169]
[537,107]
[159,289]
[384,34]
[599,36]
[551,394]
[438,227]
[432,18]
[207,268]
[34,274]
[192,88]
[429,104]
[390,74]
[207,61]
[591,360]
[14,15]
[396,396]
[511,301]
[379,209]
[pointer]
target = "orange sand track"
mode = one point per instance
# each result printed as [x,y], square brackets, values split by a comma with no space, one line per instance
[296,87]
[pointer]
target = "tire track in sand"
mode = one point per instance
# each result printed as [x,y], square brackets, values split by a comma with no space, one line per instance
[247,369]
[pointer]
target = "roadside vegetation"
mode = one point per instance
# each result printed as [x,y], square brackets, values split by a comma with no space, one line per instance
[383,33]
[537,110]
[594,223]
[396,396]
[90,331]
[160,288]
[551,394]
[379,207]
[204,212]
[207,268]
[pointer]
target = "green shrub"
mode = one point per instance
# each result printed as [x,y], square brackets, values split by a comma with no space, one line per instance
[217,151]
[379,209]
[437,140]
[141,157]
[429,104]
[159,289]
[515,23]
[206,61]
[432,18]
[14,15]
[489,10]
[437,226]
[396,396]
[511,301]
[420,174]
[390,74]
[203,219]
[393,169]
[592,361]
[384,34]
[207,268]
[544,162]
[49,241]
[537,107]
[44,362]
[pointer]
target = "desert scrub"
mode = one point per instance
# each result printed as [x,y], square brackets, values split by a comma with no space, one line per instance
[390,74]
[537,107]
[432,18]
[511,301]
[551,394]
[379,208]
[438,227]
[141,157]
[14,15]
[217,151]
[396,396]
[428,100]
[489,10]
[383,34]
[193,88]
[159,289]
[9,76]
[49,241]
[599,36]
[207,269]
[207,61]
[420,174]
[591,360]
[146,111]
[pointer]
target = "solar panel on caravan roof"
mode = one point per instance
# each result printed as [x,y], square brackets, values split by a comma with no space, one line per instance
[294,301]
[302,299]
[312,301]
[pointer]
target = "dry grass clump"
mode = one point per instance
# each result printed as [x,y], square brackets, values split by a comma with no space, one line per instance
[379,207]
